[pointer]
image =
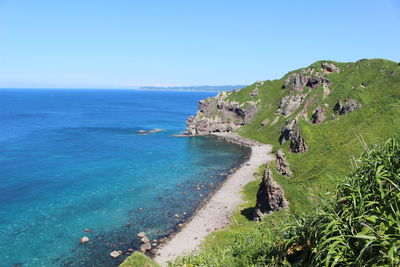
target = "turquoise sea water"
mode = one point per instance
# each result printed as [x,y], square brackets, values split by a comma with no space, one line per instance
[71,160]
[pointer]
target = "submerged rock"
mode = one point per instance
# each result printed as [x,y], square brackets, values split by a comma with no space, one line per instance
[141,234]
[343,107]
[269,196]
[282,166]
[84,239]
[115,253]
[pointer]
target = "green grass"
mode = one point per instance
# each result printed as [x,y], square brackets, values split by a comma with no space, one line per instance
[358,226]
[361,226]
[333,144]
[139,260]
[332,147]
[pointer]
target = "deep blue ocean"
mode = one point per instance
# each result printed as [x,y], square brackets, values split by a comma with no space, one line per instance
[71,160]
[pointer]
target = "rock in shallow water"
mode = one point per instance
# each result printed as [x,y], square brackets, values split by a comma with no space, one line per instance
[141,234]
[116,253]
[145,239]
[144,247]
[84,239]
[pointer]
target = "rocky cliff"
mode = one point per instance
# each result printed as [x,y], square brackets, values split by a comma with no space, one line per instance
[218,114]
[224,113]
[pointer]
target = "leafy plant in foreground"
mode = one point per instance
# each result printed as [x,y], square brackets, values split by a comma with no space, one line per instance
[362,226]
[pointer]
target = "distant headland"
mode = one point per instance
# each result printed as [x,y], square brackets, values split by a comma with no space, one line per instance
[199,88]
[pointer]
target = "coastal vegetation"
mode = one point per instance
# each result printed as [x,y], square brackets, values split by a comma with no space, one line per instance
[358,225]
[342,211]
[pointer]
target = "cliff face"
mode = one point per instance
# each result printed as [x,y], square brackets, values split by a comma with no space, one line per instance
[217,114]
[224,113]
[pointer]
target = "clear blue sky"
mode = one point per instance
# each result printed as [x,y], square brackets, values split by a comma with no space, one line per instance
[120,44]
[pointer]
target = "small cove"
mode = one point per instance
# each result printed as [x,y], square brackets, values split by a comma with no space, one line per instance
[71,160]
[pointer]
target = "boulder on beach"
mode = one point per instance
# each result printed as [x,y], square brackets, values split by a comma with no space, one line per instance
[145,239]
[144,247]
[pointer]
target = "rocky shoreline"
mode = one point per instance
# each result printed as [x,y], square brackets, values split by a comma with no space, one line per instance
[216,212]
[236,139]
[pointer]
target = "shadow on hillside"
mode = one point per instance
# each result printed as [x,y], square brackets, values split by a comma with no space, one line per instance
[248,213]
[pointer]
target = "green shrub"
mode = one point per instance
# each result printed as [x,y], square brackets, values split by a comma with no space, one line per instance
[361,227]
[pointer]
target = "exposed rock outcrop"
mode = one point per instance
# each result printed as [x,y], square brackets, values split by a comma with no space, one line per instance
[296,83]
[217,114]
[329,67]
[319,115]
[260,83]
[290,103]
[297,143]
[254,92]
[326,90]
[286,131]
[291,131]
[250,112]
[265,122]
[343,107]
[309,77]
[282,166]
[269,196]
[317,79]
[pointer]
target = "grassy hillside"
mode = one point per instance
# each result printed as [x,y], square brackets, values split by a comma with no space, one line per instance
[332,146]
[334,142]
